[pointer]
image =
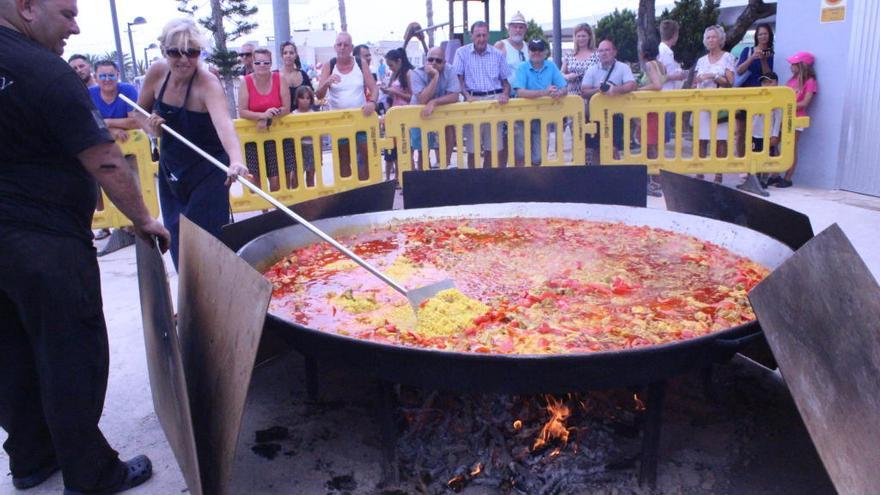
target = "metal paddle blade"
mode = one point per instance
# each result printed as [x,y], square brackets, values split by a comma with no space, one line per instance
[418,296]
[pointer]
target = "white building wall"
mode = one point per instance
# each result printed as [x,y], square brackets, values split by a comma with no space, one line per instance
[798,29]
[860,146]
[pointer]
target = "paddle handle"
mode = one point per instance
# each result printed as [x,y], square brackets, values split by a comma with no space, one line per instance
[256,190]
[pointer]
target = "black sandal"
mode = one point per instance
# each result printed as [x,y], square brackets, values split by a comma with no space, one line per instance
[137,470]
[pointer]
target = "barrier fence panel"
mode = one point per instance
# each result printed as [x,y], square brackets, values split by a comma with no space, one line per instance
[539,131]
[703,125]
[305,156]
[139,155]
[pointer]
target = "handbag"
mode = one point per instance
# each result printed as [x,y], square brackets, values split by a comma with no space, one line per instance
[742,78]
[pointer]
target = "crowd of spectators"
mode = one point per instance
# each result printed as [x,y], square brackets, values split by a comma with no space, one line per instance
[513,67]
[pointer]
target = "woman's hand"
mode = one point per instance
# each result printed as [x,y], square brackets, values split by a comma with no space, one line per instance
[154,125]
[235,170]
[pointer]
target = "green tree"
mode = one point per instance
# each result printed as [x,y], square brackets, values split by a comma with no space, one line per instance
[227,21]
[693,17]
[620,26]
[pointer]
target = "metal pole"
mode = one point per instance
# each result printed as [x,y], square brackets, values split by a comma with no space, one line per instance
[503,14]
[451,19]
[134,65]
[486,13]
[464,16]
[281,19]
[119,59]
[557,33]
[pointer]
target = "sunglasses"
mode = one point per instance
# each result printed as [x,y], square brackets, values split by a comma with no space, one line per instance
[189,52]
[107,77]
[262,62]
[435,60]
[246,54]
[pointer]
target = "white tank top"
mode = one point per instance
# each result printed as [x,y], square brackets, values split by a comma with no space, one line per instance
[514,57]
[349,91]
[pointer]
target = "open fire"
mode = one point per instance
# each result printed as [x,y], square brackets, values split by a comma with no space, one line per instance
[517,444]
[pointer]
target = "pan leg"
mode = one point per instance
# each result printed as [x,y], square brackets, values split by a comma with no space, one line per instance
[651,434]
[390,468]
[311,379]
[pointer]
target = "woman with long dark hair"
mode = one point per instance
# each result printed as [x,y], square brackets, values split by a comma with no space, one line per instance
[753,63]
[399,92]
[291,71]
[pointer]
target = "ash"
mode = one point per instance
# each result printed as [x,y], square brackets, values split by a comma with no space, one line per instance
[492,443]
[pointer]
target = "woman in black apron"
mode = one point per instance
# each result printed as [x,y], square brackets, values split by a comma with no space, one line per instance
[190,100]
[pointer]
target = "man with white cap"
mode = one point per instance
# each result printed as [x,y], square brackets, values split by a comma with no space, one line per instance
[514,46]
[514,50]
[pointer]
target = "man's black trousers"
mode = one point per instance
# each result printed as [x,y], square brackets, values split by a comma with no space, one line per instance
[54,359]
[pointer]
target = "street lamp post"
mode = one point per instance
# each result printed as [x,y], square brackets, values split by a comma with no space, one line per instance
[135,22]
[119,59]
[146,59]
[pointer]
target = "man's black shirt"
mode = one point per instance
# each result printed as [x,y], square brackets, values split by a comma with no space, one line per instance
[46,118]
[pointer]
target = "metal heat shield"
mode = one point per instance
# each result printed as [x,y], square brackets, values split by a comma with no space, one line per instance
[222,305]
[165,363]
[699,197]
[819,311]
[618,185]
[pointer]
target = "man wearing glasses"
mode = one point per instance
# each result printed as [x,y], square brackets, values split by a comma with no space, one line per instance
[246,58]
[534,79]
[117,114]
[432,85]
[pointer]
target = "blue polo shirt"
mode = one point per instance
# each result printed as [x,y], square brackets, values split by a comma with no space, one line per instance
[118,109]
[527,77]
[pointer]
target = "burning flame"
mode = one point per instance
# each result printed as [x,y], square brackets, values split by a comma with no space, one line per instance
[476,469]
[554,428]
[517,425]
[640,406]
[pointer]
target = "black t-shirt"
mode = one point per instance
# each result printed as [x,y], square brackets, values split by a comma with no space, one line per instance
[46,118]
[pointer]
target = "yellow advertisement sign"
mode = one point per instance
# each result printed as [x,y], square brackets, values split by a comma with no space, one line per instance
[832,11]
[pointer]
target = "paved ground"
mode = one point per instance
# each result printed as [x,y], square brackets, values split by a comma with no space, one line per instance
[351,446]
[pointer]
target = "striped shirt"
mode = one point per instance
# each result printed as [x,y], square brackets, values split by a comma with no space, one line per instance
[482,71]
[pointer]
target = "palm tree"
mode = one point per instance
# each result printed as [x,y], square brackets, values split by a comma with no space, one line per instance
[429,8]
[343,24]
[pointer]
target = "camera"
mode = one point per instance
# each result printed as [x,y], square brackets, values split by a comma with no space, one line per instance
[605,87]
[767,52]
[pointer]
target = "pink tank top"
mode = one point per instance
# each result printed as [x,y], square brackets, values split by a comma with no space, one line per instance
[258,102]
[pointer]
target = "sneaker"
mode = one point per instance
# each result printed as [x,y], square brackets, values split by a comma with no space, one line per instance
[137,470]
[783,183]
[654,190]
[772,181]
[41,475]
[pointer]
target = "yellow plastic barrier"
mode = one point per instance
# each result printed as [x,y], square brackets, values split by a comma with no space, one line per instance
[713,112]
[137,150]
[404,123]
[276,156]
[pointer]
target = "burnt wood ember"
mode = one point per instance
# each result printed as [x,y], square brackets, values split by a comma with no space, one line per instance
[451,442]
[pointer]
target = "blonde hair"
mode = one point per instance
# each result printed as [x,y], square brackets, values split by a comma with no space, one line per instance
[182,33]
[722,37]
[805,73]
[589,30]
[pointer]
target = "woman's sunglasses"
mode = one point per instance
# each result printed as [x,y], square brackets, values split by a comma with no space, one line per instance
[177,52]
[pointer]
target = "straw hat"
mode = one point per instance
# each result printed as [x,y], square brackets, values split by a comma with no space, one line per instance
[517,18]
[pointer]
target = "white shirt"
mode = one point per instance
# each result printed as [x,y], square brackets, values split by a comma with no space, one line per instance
[775,124]
[667,58]
[724,63]
[349,91]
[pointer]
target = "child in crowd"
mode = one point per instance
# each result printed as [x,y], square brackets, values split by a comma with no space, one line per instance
[769,79]
[803,82]
[304,102]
